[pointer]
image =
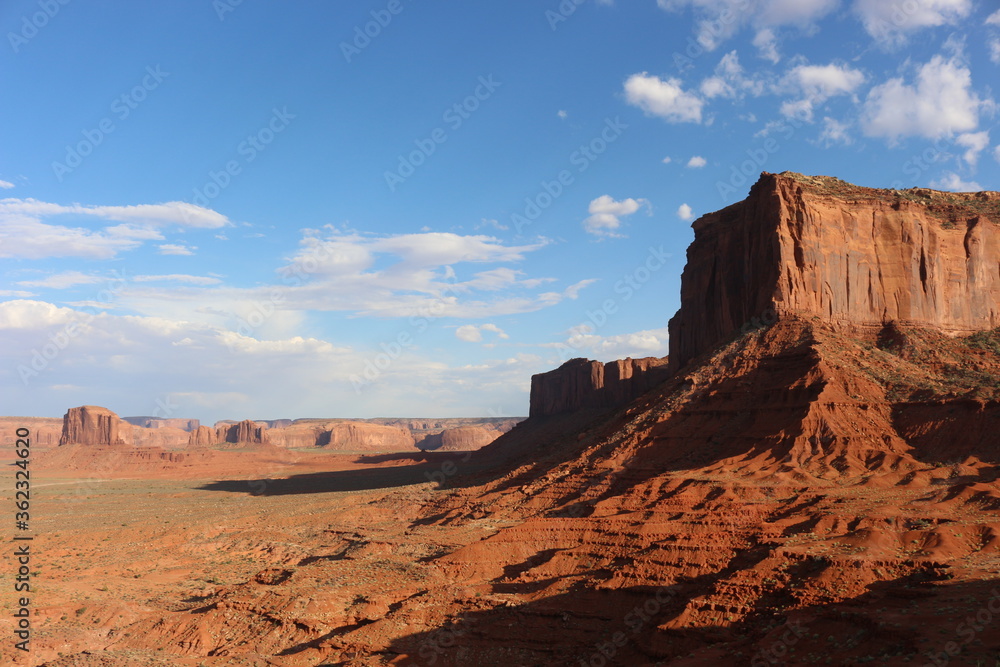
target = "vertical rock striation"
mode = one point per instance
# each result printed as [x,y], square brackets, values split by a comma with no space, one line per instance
[856,257]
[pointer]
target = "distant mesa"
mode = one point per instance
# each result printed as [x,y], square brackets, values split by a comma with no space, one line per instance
[363,436]
[461,439]
[93,425]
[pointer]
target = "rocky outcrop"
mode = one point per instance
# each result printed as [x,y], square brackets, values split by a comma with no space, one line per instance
[351,436]
[855,257]
[203,436]
[157,422]
[297,435]
[580,384]
[93,425]
[244,432]
[461,439]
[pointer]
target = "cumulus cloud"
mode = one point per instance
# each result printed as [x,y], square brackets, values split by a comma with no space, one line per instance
[684,212]
[730,80]
[767,45]
[718,20]
[664,98]
[647,343]
[892,23]
[953,182]
[939,103]
[817,83]
[834,132]
[994,46]
[472,333]
[696,162]
[606,214]
[975,143]
[6,185]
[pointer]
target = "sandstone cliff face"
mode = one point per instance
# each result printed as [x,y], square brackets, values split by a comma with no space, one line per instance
[297,435]
[461,439]
[856,257]
[203,436]
[581,384]
[93,425]
[245,432]
[362,436]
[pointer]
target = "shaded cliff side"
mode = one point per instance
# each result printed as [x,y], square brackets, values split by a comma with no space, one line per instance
[581,384]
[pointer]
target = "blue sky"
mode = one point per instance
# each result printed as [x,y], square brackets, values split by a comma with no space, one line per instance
[244,209]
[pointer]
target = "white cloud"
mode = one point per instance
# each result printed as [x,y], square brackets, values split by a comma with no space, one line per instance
[696,162]
[6,185]
[132,362]
[834,132]
[647,343]
[994,46]
[976,143]
[412,275]
[178,277]
[562,114]
[994,18]
[27,238]
[729,80]
[667,160]
[177,213]
[684,212]
[606,214]
[952,181]
[767,45]
[891,23]
[176,249]
[940,103]
[64,280]
[24,234]
[996,153]
[16,292]
[573,291]
[718,20]
[471,333]
[663,98]
[816,84]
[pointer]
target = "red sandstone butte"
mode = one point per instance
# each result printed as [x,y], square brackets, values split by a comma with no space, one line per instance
[244,432]
[855,257]
[93,425]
